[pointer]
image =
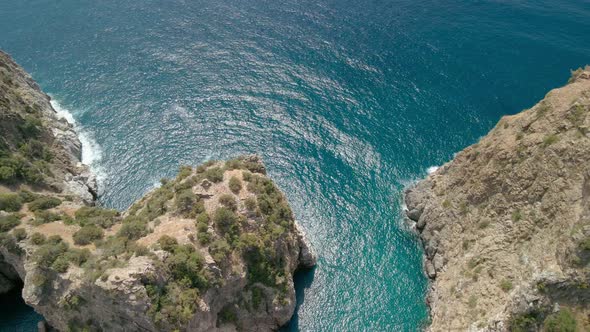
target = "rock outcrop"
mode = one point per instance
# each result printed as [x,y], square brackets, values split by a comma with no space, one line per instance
[213,249]
[506,224]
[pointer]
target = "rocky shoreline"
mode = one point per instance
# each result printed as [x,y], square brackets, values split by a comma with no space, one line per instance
[214,249]
[505,226]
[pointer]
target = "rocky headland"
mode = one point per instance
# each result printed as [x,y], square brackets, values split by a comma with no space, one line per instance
[506,224]
[214,249]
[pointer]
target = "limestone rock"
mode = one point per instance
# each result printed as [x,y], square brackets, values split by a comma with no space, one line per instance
[504,224]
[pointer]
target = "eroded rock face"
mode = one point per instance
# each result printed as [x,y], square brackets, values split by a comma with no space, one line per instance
[505,225]
[214,249]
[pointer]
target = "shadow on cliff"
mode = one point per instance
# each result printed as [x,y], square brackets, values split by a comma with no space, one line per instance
[302,280]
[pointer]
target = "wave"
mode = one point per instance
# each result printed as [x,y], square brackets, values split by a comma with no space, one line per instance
[432,169]
[91,150]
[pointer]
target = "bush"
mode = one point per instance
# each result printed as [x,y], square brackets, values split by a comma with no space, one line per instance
[88,234]
[9,222]
[38,239]
[133,228]
[8,242]
[48,253]
[204,238]
[10,202]
[228,201]
[27,196]
[54,239]
[61,264]
[235,185]
[78,256]
[30,127]
[44,217]
[550,139]
[7,174]
[187,264]
[506,285]
[225,219]
[562,321]
[44,203]
[214,174]
[250,203]
[219,250]
[167,243]
[90,215]
[202,218]
[183,172]
[19,234]
[34,149]
[516,215]
[185,201]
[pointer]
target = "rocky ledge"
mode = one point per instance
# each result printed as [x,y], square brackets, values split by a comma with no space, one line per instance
[506,224]
[213,249]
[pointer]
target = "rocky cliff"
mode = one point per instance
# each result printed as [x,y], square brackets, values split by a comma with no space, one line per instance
[506,224]
[213,249]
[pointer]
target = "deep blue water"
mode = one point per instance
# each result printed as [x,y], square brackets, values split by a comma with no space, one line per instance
[347,101]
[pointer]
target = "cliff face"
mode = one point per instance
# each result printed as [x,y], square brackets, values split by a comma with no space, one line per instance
[506,224]
[213,249]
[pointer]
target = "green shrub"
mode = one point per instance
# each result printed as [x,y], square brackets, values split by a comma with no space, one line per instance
[225,219]
[525,322]
[247,176]
[44,217]
[44,203]
[38,239]
[133,228]
[202,218]
[48,253]
[183,172]
[78,256]
[516,215]
[233,164]
[167,243]
[227,315]
[30,127]
[10,202]
[254,167]
[250,204]
[204,238]
[61,264]
[8,242]
[9,222]
[562,321]
[550,139]
[219,250]
[214,174]
[257,296]
[54,239]
[228,201]
[7,174]
[34,149]
[235,185]
[506,285]
[185,201]
[187,264]
[90,215]
[19,234]
[27,196]
[88,234]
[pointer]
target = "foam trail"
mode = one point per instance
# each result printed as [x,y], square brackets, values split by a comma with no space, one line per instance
[91,151]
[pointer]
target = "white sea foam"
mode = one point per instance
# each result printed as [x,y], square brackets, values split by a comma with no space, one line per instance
[431,169]
[91,151]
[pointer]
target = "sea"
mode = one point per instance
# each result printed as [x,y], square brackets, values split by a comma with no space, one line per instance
[347,101]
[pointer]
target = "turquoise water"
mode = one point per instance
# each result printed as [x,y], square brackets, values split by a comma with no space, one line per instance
[347,101]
